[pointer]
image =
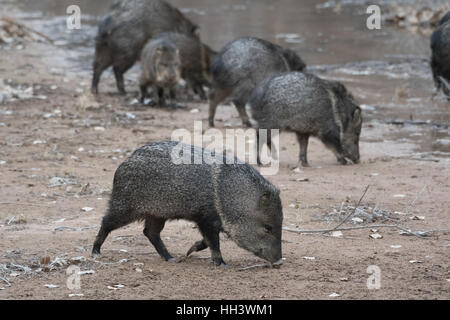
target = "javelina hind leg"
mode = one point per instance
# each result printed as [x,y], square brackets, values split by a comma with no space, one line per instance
[198,246]
[153,227]
[303,141]
[211,238]
[109,223]
[216,96]
[118,73]
[242,113]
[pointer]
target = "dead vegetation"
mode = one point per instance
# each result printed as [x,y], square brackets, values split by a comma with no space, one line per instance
[413,18]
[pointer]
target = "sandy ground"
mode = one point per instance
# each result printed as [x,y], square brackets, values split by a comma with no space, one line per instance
[63,136]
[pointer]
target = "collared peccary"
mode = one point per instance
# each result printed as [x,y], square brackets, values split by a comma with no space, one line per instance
[309,106]
[440,58]
[241,65]
[154,186]
[196,59]
[161,69]
[124,32]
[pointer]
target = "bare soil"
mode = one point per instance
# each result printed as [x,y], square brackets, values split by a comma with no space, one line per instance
[38,143]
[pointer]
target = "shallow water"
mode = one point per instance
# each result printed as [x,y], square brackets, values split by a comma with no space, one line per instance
[387,70]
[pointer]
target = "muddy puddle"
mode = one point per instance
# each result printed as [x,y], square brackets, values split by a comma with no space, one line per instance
[387,70]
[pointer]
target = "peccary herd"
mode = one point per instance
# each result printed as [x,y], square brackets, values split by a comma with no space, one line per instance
[270,88]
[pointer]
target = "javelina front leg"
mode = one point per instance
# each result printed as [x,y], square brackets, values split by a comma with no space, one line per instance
[303,141]
[211,238]
[332,141]
[198,246]
[259,145]
[143,88]
[153,227]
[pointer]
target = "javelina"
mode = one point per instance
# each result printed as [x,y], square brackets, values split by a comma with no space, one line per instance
[124,32]
[308,106]
[196,59]
[440,58]
[161,69]
[231,198]
[241,65]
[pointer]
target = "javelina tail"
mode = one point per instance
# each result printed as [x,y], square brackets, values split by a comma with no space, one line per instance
[105,29]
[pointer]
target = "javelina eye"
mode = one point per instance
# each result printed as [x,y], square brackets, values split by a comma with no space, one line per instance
[268,228]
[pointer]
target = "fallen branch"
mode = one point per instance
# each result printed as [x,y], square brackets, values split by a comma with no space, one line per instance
[25,204]
[6,281]
[419,234]
[353,212]
[24,27]
[261,265]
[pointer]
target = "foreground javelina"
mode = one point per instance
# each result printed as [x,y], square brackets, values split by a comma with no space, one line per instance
[123,33]
[309,106]
[440,58]
[230,198]
[161,69]
[196,59]
[241,65]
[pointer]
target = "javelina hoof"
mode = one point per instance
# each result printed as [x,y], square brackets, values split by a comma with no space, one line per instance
[343,161]
[218,262]
[304,164]
[95,253]
[211,122]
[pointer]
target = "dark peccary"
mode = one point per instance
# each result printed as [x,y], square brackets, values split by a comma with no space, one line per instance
[196,59]
[230,198]
[124,32]
[440,58]
[161,69]
[309,106]
[241,65]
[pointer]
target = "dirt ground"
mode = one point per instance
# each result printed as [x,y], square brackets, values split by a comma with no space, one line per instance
[71,136]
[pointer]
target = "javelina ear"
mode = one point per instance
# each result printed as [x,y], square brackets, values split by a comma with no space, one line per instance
[357,118]
[264,199]
[196,31]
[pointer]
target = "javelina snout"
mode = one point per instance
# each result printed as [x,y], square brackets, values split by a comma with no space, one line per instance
[231,198]
[309,106]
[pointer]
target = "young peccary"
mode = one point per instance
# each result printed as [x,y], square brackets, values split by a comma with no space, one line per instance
[124,32]
[308,106]
[440,58]
[241,65]
[161,69]
[154,186]
[196,59]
